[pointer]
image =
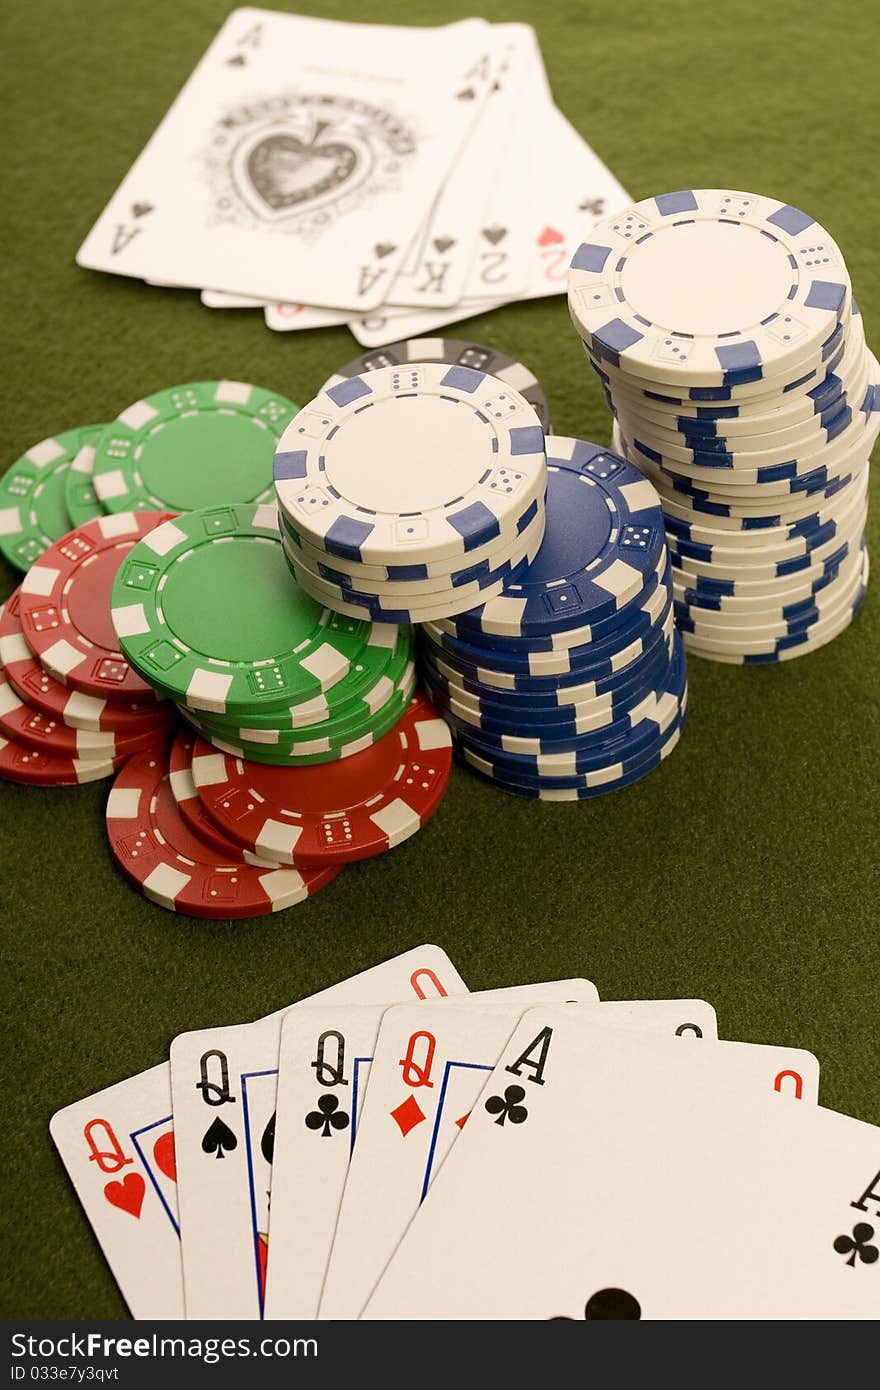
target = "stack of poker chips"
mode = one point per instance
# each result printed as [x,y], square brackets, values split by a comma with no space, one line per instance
[183,447]
[723,328]
[411,492]
[572,682]
[306,748]
[71,708]
[206,612]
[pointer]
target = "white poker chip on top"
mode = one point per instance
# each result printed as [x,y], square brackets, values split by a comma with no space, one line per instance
[410,464]
[707,287]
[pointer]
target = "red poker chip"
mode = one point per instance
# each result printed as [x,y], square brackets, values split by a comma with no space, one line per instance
[175,868]
[190,806]
[331,813]
[34,685]
[45,734]
[22,762]
[64,606]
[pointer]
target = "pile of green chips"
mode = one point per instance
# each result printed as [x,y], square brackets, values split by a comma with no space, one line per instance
[206,611]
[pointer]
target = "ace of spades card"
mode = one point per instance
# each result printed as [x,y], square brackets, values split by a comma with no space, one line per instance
[298,161]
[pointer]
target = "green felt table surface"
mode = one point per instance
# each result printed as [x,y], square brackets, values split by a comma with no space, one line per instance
[744,871]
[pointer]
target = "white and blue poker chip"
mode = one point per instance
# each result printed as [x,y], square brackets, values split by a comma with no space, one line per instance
[410,464]
[712,287]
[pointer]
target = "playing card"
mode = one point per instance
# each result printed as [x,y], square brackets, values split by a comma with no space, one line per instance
[437,264]
[429,1068]
[218,299]
[570,190]
[223,1083]
[118,1149]
[298,161]
[291,318]
[323,1067]
[606,1175]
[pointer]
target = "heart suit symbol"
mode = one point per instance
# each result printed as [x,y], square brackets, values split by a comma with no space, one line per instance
[128,1194]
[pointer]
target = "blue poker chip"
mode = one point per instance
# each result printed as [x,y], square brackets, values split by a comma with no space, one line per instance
[585,787]
[567,638]
[546,715]
[570,660]
[604,774]
[598,668]
[603,539]
[625,733]
[624,737]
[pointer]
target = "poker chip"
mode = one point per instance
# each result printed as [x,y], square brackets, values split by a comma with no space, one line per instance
[21,761]
[602,756]
[742,386]
[571,661]
[193,813]
[348,706]
[618,646]
[197,445]
[336,813]
[405,604]
[407,585]
[80,499]
[410,464]
[44,734]
[541,791]
[178,869]
[454,352]
[206,611]
[64,606]
[708,287]
[33,511]
[603,540]
[36,687]
[324,743]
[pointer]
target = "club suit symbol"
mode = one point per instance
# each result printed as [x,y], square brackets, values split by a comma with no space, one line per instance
[328,1116]
[508,1106]
[857,1245]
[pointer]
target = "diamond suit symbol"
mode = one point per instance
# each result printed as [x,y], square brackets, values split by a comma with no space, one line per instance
[407,1115]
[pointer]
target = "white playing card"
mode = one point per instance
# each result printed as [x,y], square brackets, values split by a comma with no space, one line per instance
[298,161]
[323,1066]
[291,318]
[429,1068]
[118,1149]
[326,1052]
[437,264]
[605,1175]
[223,1083]
[219,299]
[571,189]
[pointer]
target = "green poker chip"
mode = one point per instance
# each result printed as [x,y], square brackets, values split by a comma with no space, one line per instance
[191,446]
[350,704]
[79,492]
[206,611]
[321,739]
[279,756]
[33,513]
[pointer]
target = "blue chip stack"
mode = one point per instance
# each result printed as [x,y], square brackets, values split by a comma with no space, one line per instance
[732,354]
[572,682]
